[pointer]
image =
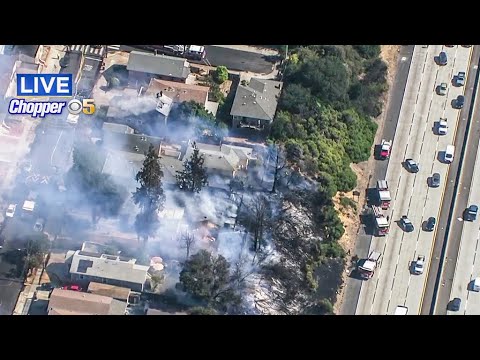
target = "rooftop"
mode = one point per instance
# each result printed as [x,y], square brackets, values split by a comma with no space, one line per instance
[116,292]
[179,92]
[67,302]
[118,128]
[109,267]
[7,62]
[158,64]
[72,62]
[257,100]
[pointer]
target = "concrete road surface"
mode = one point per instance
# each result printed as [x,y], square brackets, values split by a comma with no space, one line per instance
[353,286]
[393,283]
[464,235]
[445,252]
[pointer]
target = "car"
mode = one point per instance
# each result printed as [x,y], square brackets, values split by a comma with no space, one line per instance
[442,126]
[460,78]
[455,304]
[419,265]
[449,45]
[412,166]
[435,180]
[467,46]
[459,102]
[430,225]
[11,210]
[471,213]
[442,89]
[39,225]
[406,224]
[442,58]
[72,288]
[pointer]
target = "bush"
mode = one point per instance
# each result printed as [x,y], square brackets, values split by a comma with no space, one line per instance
[220,75]
[348,203]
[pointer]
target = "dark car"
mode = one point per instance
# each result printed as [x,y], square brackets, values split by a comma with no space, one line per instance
[435,180]
[459,101]
[442,58]
[412,166]
[406,224]
[455,304]
[471,213]
[430,224]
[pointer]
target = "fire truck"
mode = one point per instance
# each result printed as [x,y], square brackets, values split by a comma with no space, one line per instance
[383,194]
[385,148]
[381,223]
[366,267]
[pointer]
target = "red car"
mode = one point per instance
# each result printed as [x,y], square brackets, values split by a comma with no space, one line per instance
[72,287]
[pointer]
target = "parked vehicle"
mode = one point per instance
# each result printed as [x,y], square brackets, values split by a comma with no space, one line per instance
[11,210]
[366,267]
[382,226]
[383,194]
[385,148]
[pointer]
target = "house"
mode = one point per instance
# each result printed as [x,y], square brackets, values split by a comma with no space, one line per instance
[143,112]
[68,302]
[143,67]
[112,291]
[107,269]
[180,92]
[255,104]
[30,53]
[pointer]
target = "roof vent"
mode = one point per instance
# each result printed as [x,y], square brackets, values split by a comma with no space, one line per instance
[255,102]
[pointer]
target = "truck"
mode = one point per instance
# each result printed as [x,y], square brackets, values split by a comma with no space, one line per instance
[383,194]
[419,265]
[385,148]
[366,267]
[381,223]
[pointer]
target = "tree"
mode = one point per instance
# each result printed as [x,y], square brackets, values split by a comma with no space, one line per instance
[103,194]
[187,242]
[149,196]
[259,214]
[193,177]
[199,310]
[37,248]
[280,164]
[220,75]
[207,278]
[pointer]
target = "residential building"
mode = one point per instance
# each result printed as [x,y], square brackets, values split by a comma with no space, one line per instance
[180,92]
[68,302]
[143,67]
[112,291]
[255,104]
[107,269]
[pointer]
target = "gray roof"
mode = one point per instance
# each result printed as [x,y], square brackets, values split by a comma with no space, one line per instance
[133,143]
[119,128]
[257,100]
[158,65]
[109,267]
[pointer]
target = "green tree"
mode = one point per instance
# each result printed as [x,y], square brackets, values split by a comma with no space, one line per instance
[149,196]
[199,310]
[207,278]
[220,75]
[193,177]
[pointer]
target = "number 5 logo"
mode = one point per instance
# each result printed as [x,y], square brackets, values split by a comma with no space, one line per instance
[88,106]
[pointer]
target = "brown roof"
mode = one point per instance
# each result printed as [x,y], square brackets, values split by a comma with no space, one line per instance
[116,292]
[179,92]
[68,302]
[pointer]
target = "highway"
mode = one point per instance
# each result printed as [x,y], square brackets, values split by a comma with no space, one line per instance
[464,235]
[415,138]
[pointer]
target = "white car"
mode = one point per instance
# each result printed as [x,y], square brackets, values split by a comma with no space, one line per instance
[11,210]
[419,265]
[442,127]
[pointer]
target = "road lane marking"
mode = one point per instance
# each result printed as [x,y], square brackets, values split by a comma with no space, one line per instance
[441,203]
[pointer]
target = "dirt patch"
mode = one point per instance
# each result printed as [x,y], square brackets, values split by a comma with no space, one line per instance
[349,217]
